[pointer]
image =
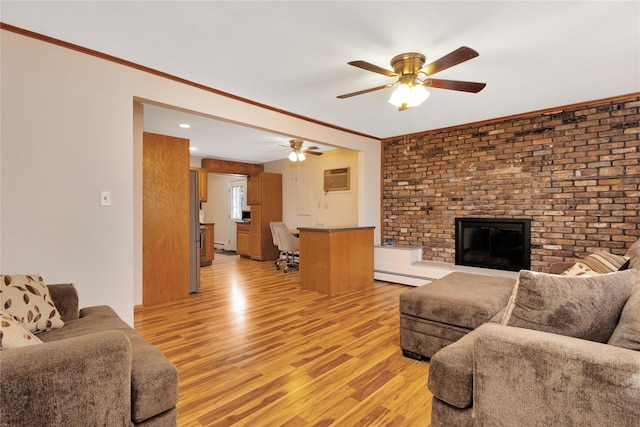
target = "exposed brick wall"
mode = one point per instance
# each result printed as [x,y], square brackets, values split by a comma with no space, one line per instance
[574,171]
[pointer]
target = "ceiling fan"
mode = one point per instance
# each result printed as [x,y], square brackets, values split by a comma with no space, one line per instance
[299,152]
[412,77]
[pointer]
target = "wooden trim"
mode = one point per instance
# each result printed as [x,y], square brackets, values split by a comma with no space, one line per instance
[139,67]
[545,111]
[162,74]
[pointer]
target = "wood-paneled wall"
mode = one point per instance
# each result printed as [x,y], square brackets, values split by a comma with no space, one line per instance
[165,219]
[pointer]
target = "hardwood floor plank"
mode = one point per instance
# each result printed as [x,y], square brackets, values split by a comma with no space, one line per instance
[253,348]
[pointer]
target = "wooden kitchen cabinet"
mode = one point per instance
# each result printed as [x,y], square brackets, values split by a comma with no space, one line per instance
[243,168]
[209,241]
[217,165]
[254,190]
[231,167]
[265,199]
[203,182]
[203,179]
[255,233]
[242,239]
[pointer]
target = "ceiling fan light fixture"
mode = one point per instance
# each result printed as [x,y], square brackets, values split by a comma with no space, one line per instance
[408,95]
[297,153]
[412,75]
[296,156]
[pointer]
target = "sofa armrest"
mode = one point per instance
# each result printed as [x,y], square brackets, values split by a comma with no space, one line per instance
[550,379]
[451,373]
[65,298]
[76,381]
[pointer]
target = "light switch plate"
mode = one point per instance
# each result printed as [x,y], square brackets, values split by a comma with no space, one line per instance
[105,198]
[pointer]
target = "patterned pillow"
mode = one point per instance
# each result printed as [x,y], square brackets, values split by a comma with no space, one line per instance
[13,334]
[579,269]
[26,298]
[580,307]
[605,262]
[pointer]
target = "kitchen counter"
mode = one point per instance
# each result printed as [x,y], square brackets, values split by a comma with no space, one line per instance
[336,259]
[334,228]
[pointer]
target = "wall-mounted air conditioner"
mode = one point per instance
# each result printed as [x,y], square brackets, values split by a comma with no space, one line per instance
[337,179]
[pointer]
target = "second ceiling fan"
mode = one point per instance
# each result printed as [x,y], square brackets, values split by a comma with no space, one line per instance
[299,152]
[412,77]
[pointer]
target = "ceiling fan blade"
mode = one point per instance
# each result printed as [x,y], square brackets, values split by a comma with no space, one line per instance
[360,92]
[313,153]
[456,85]
[456,57]
[374,68]
[313,147]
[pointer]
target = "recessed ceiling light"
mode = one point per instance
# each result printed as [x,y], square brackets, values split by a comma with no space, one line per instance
[193,149]
[184,125]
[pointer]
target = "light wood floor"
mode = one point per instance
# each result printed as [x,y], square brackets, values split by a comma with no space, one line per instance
[255,349]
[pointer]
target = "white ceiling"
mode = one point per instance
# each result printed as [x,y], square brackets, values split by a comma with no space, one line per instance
[293,56]
[219,139]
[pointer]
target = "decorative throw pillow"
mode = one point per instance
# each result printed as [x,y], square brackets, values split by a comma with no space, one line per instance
[511,303]
[627,333]
[580,307]
[26,298]
[633,253]
[13,334]
[579,269]
[605,262]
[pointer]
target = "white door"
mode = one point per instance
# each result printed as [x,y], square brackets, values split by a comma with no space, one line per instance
[237,202]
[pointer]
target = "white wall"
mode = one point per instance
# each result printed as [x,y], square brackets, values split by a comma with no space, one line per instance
[216,208]
[305,203]
[68,133]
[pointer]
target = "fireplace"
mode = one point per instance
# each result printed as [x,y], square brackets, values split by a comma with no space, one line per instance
[502,244]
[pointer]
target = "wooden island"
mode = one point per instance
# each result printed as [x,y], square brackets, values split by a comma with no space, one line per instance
[335,260]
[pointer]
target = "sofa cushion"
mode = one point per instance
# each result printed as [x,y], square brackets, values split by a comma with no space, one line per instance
[580,307]
[627,333]
[154,379]
[13,334]
[461,299]
[27,299]
[531,378]
[605,262]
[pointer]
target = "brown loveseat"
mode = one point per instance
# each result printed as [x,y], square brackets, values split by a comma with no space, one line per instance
[94,371]
[577,364]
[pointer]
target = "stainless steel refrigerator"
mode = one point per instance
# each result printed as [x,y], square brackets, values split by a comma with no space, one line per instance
[195,241]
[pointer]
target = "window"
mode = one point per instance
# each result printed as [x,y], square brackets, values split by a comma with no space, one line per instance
[237,201]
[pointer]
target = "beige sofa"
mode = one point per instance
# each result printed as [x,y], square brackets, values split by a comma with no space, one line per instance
[93,371]
[577,364]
